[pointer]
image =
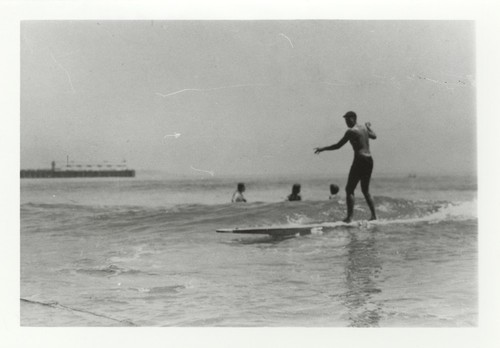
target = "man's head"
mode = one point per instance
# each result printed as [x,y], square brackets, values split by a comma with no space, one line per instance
[241,187]
[350,118]
[334,189]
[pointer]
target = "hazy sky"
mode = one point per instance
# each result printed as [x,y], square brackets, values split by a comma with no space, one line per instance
[248,97]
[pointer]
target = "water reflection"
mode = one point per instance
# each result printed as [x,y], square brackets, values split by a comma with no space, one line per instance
[362,271]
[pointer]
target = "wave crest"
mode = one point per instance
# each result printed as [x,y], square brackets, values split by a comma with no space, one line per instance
[198,216]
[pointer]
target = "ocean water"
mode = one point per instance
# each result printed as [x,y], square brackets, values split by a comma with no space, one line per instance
[144,252]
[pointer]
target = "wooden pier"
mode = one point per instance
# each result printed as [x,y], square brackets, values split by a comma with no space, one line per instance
[80,171]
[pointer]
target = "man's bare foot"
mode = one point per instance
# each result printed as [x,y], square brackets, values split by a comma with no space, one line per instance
[347,220]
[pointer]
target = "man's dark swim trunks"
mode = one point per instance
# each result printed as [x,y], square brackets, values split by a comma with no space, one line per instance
[361,169]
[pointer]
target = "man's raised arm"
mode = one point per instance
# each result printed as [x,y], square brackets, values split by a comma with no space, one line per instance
[371,133]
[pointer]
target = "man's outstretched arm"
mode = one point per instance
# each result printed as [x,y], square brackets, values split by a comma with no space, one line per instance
[336,146]
[371,133]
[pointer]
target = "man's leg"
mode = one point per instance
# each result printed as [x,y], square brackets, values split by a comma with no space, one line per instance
[365,188]
[366,192]
[352,181]
[350,206]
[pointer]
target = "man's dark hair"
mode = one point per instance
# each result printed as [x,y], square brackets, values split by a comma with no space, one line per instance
[350,114]
[334,189]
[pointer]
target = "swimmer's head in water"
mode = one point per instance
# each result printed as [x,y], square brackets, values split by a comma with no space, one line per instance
[241,187]
[334,189]
[296,189]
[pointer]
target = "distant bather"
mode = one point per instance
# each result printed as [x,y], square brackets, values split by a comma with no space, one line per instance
[238,194]
[334,189]
[295,195]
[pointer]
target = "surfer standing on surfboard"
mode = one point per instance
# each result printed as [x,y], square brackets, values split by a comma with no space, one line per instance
[362,165]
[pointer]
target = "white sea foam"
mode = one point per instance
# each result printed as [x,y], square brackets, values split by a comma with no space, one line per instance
[298,219]
[450,212]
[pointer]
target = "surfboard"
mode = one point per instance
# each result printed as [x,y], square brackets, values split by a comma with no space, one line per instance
[282,231]
[277,231]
